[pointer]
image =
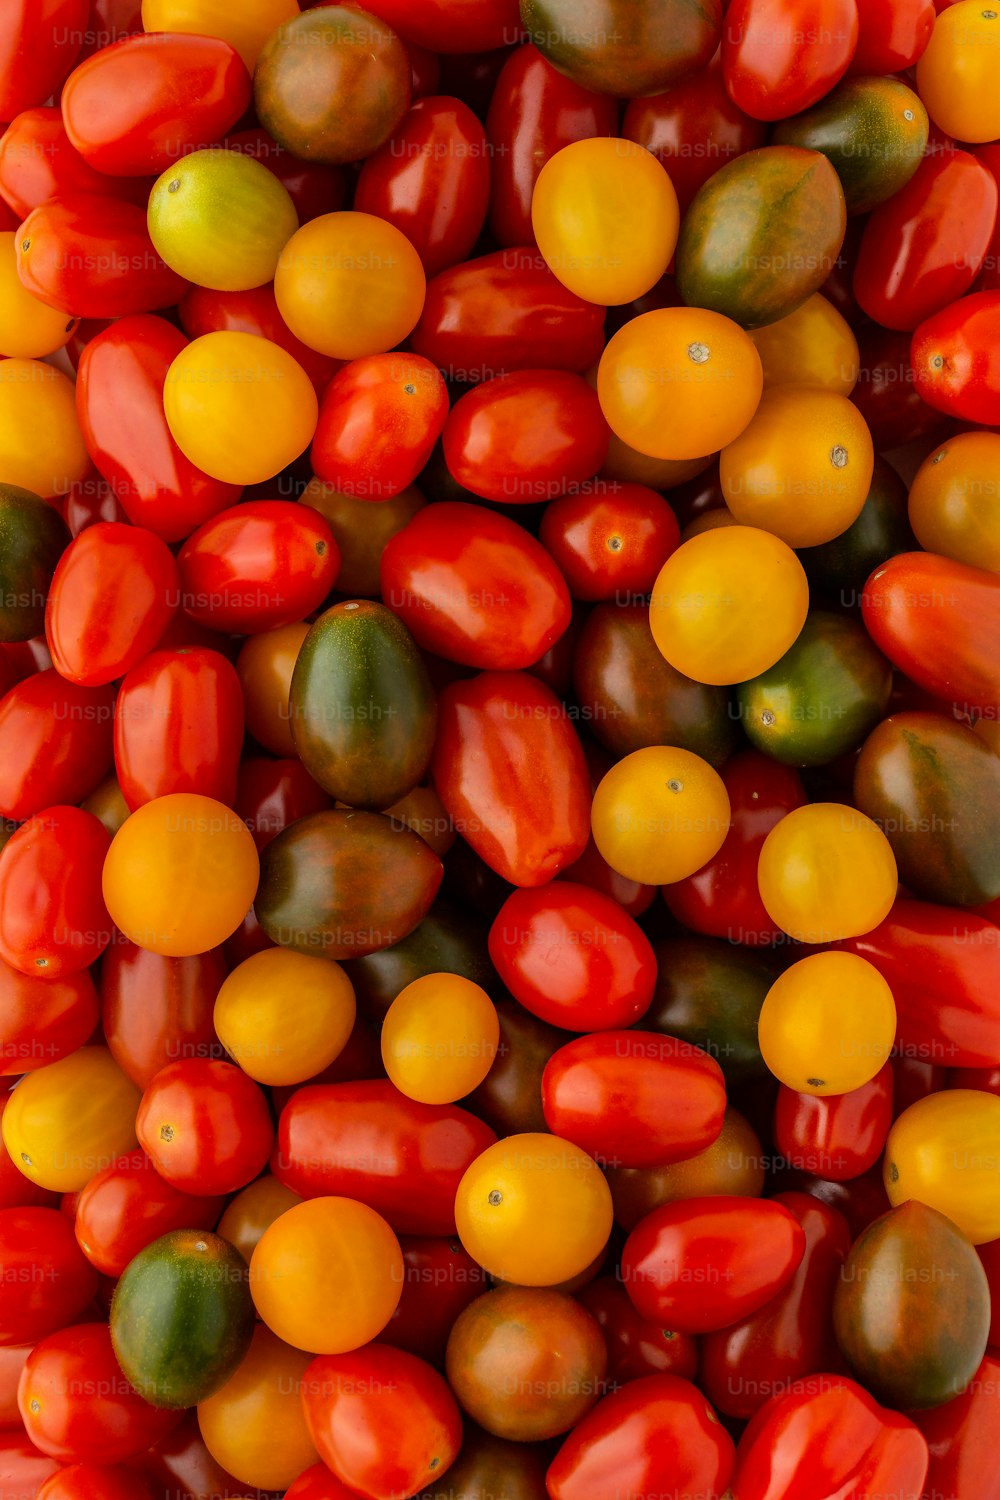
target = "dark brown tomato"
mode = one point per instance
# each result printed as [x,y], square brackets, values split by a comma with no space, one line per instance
[624,49]
[361,531]
[710,993]
[491,1466]
[510,1096]
[446,941]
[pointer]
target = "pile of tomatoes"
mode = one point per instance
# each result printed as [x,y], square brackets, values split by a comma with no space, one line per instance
[499,752]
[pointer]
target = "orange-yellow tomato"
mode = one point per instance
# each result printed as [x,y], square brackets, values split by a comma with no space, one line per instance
[253,1210]
[439,1038]
[826,872]
[245,26]
[180,875]
[239,407]
[285,1016]
[955,500]
[605,218]
[679,382]
[350,284]
[254,1425]
[728,604]
[67,1121]
[265,665]
[803,467]
[958,73]
[28,329]
[813,346]
[41,445]
[327,1275]
[945,1152]
[660,814]
[732,1164]
[424,812]
[827,1024]
[534,1209]
[361,530]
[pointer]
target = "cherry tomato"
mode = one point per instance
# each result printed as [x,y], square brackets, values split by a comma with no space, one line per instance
[953,503]
[660,814]
[378,422]
[636,1346]
[439,1038]
[956,75]
[94,1482]
[941,1151]
[892,35]
[284,1016]
[53,921]
[202,311]
[127,1206]
[205,1126]
[28,328]
[47,1282]
[837,1137]
[246,28]
[264,667]
[270,794]
[776,60]
[961,1435]
[813,346]
[255,1423]
[313,187]
[828,1023]
[826,872]
[610,543]
[440,1279]
[71,1119]
[38,162]
[55,743]
[886,393]
[955,361]
[42,1020]
[38,44]
[453,25]
[157,1010]
[16,1190]
[41,445]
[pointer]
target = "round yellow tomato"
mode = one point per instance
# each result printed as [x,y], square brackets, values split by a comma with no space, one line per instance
[350,284]
[813,346]
[945,1152]
[660,814]
[253,1210]
[605,218]
[180,875]
[265,665]
[68,1121]
[284,1016]
[327,1275]
[439,1038]
[679,382]
[424,812]
[221,219]
[955,500]
[534,1209]
[728,604]
[957,75]
[239,407]
[826,872]
[245,26]
[803,467]
[28,329]
[827,1024]
[732,1165]
[41,445]
[254,1425]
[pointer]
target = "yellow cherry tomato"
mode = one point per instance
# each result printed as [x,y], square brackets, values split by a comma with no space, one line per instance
[254,1425]
[253,1210]
[679,382]
[68,1121]
[660,814]
[424,812]
[350,284]
[265,665]
[239,407]
[945,1152]
[826,872]
[534,1209]
[605,218]
[327,1275]
[41,445]
[439,1038]
[813,346]
[955,500]
[803,467]
[180,875]
[221,219]
[284,1016]
[733,1164]
[245,25]
[728,604]
[958,74]
[827,1024]
[28,328]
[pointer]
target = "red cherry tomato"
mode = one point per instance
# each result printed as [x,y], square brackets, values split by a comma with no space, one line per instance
[38,161]
[43,1020]
[39,40]
[180,1465]
[440,1279]
[55,743]
[202,311]
[270,794]
[956,359]
[886,393]
[452,25]
[205,1126]
[837,1137]
[127,1206]
[23,1467]
[94,1482]
[158,1010]
[53,921]
[378,422]
[47,1281]
[313,187]
[779,59]
[112,596]
[892,35]
[961,1436]
[111,21]
[636,1346]
[610,540]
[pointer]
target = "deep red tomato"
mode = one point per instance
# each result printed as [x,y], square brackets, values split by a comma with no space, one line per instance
[956,359]
[504,312]
[139,105]
[610,539]
[839,1136]
[314,187]
[693,129]
[474,587]
[656,1436]
[91,257]
[180,1465]
[962,1438]
[23,1467]
[43,1020]
[535,111]
[47,1281]
[431,179]
[202,310]
[39,40]
[38,161]
[53,921]
[179,726]
[88,501]
[94,1482]
[16,1190]
[127,1206]
[378,422]
[318,1483]
[55,743]
[440,1279]
[77,1405]
[526,437]
[110,21]
[989,275]
[892,35]
[779,59]
[987,1079]
[119,401]
[205,1126]
[368,1141]
[914,1078]
[452,25]
[158,1010]
[12,1362]
[258,565]
[886,393]
[270,794]
[636,1346]
[989,1254]
[112,596]
[924,247]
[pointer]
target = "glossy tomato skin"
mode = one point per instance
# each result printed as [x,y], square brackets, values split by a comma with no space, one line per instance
[378,422]
[509,768]
[203,310]
[38,43]
[270,794]
[38,161]
[127,1205]
[923,248]
[139,105]
[656,1435]
[837,1137]
[47,1281]
[368,1141]
[887,394]
[453,26]
[440,1279]
[16,1190]
[504,312]
[179,726]
[53,921]
[955,360]
[610,540]
[23,1466]
[313,187]
[158,1010]
[777,60]
[431,179]
[205,1125]
[892,35]
[55,742]
[119,401]
[636,1346]
[43,1020]
[534,111]
[961,1437]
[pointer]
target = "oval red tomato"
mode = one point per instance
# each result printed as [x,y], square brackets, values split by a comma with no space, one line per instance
[55,743]
[956,359]
[38,161]
[779,59]
[837,1137]
[38,41]
[47,1282]
[205,1126]
[378,422]
[128,1205]
[43,1020]
[53,921]
[158,1010]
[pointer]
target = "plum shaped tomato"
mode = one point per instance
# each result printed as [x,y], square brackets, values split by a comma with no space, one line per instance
[53,921]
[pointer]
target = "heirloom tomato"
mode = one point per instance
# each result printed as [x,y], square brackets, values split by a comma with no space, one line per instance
[622,49]
[264,667]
